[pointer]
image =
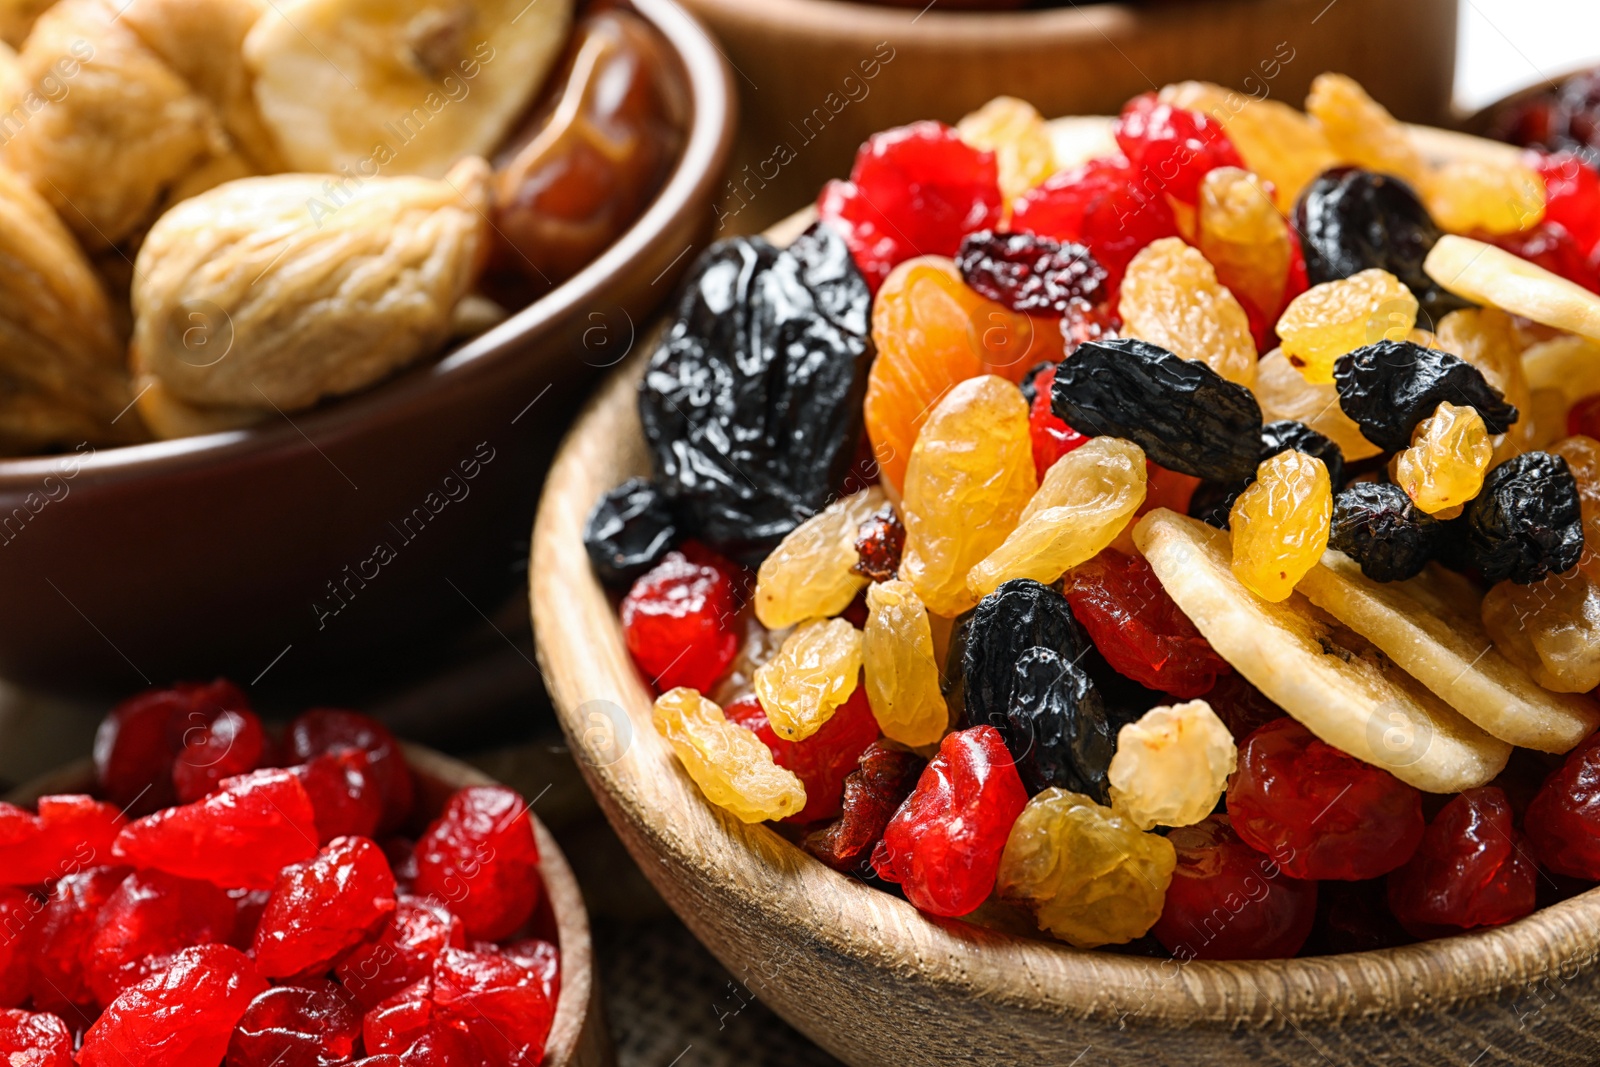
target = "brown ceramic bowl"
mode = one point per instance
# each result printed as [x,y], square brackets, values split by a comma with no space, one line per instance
[578,1035]
[374,525]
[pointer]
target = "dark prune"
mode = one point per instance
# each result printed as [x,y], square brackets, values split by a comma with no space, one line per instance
[628,532]
[873,792]
[1351,220]
[988,640]
[1186,416]
[1377,525]
[1525,523]
[751,405]
[1212,502]
[879,542]
[1389,387]
[1029,273]
[1030,381]
[1056,727]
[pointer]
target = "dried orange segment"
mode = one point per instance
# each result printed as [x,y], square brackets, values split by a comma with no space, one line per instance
[1276,141]
[1019,139]
[1171,297]
[1362,132]
[1244,237]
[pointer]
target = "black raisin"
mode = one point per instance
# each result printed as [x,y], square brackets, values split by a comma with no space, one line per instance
[628,532]
[1029,273]
[1212,502]
[1526,522]
[1377,525]
[879,542]
[1186,416]
[1030,380]
[1284,434]
[988,640]
[1351,220]
[1056,727]
[751,404]
[1389,387]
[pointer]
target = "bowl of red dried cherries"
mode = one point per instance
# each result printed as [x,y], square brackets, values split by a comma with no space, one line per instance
[207,894]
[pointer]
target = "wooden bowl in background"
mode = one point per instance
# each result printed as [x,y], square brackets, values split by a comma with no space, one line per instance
[875,982]
[578,1035]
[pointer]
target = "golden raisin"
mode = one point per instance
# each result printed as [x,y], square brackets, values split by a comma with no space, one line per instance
[1276,141]
[901,671]
[813,673]
[1470,195]
[1019,139]
[1280,524]
[1583,460]
[1361,131]
[729,763]
[1171,297]
[1244,237]
[1487,339]
[1328,320]
[1449,455]
[1284,393]
[808,576]
[1171,766]
[1551,629]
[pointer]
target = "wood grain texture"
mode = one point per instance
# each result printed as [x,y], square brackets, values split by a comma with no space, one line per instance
[578,1036]
[876,983]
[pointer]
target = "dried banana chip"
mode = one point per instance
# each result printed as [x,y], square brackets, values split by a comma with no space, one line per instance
[1485,274]
[1336,683]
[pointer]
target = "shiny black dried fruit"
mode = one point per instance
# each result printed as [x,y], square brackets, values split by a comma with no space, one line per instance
[628,532]
[1029,273]
[1212,502]
[751,405]
[1526,522]
[1377,525]
[1056,727]
[1186,416]
[1030,380]
[1351,220]
[1389,387]
[988,640]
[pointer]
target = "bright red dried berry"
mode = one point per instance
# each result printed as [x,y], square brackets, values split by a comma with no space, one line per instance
[1572,197]
[1584,417]
[440,1047]
[332,731]
[399,1020]
[1319,812]
[313,1025]
[480,858]
[1229,902]
[1029,273]
[70,832]
[60,939]
[18,910]
[1550,246]
[403,952]
[242,835]
[151,916]
[880,540]
[1563,822]
[229,745]
[823,760]
[542,957]
[679,623]
[1172,148]
[344,794]
[1050,436]
[321,908]
[1471,869]
[943,846]
[497,1001]
[34,1039]
[138,742]
[1097,205]
[181,1016]
[873,792]
[1138,628]
[1242,707]
[248,904]
[914,190]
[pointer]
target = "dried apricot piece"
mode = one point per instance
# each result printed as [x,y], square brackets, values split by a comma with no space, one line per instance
[813,673]
[1019,139]
[1171,297]
[729,763]
[1328,320]
[1280,524]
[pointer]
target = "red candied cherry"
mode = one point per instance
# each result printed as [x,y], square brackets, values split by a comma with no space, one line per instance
[915,190]
[1172,148]
[68,834]
[321,908]
[1319,812]
[1229,902]
[540,956]
[1097,205]
[1550,246]
[34,1039]
[1563,822]
[150,916]
[384,1060]
[402,953]
[248,904]
[399,1019]
[242,835]
[229,745]
[497,1001]
[334,730]
[1138,628]
[17,912]
[444,1048]
[139,741]
[943,846]
[823,760]
[180,1016]
[344,793]
[59,940]
[1471,869]
[1571,196]
[480,858]
[678,620]
[313,1025]
[1051,437]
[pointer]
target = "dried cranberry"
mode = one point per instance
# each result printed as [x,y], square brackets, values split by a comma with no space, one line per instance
[296,1026]
[323,731]
[823,760]
[240,836]
[1563,821]
[30,1039]
[152,915]
[1229,902]
[943,846]
[17,912]
[1471,869]
[1242,707]
[248,904]
[439,1047]
[1550,246]
[68,834]
[396,1023]
[914,190]
[1138,628]
[480,857]
[138,742]
[181,1016]
[1097,205]
[873,792]
[229,745]
[1172,148]
[60,940]
[321,908]
[1029,273]
[497,1001]
[403,953]
[1572,197]
[879,542]
[1319,812]
[542,957]
[1051,437]
[344,793]
[678,621]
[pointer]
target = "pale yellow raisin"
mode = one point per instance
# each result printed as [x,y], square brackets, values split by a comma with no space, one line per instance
[729,763]
[1019,139]
[1449,455]
[808,575]
[1583,460]
[1280,524]
[1551,629]
[1328,320]
[813,673]
[1171,297]
[1361,131]
[1284,393]
[1570,365]
[1171,766]
[901,670]
[1477,196]
[1244,237]
[1276,141]
[1486,338]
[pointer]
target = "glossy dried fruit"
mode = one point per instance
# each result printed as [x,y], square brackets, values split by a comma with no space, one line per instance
[813,674]
[1100,206]
[137,743]
[1390,386]
[1361,131]
[811,574]
[1057,726]
[180,1016]
[1280,524]
[1550,628]
[883,778]
[496,1001]
[943,846]
[1549,246]
[1090,876]
[29,1039]
[1245,238]
[1377,525]
[751,404]
[1563,820]
[1284,394]
[17,910]
[1526,523]
[325,906]
[1019,139]
[821,761]
[1488,339]
[1448,457]
[1172,148]
[310,1025]
[60,938]
[627,533]
[480,855]
[334,730]
[1171,766]
[1478,195]
[1328,320]
[880,539]
[1471,869]
[729,763]
[403,953]
[1485,274]
[1029,273]
[1276,141]
[1184,415]
[229,745]
[987,642]
[69,831]
[902,673]
[1171,297]
[150,916]
[344,793]
[678,622]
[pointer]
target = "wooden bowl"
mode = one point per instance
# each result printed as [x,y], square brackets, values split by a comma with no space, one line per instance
[232,552]
[578,1035]
[807,101]
[874,982]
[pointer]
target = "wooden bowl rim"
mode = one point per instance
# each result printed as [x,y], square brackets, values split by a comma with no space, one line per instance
[578,998]
[710,135]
